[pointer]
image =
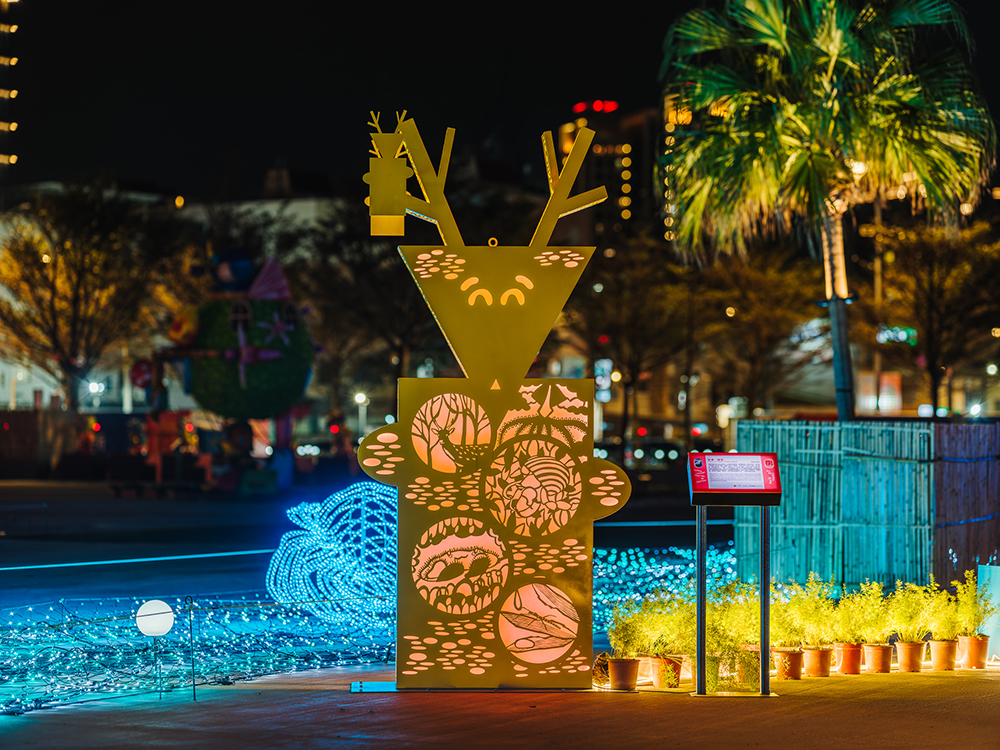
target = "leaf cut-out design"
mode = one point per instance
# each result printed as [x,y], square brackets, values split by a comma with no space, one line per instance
[559,603]
[536,643]
[536,624]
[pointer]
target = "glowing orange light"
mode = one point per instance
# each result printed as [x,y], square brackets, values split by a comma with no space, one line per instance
[189,427]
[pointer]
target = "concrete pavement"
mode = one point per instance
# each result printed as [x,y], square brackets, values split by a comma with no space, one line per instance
[316,709]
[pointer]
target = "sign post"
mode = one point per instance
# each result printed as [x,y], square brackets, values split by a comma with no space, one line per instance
[732,479]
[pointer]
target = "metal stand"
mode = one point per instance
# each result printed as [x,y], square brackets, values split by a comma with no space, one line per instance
[156,655]
[189,601]
[701,647]
[765,600]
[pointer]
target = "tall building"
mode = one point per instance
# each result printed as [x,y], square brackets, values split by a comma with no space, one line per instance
[622,159]
[8,90]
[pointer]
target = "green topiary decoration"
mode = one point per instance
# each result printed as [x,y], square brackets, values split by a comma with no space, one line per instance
[276,354]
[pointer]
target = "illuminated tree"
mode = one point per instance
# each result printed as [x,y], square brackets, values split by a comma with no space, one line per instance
[803,108]
[633,308]
[759,335]
[368,289]
[77,271]
[943,284]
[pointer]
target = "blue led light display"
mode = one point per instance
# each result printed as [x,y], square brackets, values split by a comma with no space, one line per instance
[334,582]
[342,565]
[622,574]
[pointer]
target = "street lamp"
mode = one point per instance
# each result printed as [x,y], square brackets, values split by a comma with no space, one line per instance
[362,401]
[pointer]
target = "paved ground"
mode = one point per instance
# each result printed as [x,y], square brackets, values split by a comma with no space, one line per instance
[317,710]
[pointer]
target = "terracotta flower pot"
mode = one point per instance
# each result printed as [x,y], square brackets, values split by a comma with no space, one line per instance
[910,656]
[665,671]
[972,651]
[788,664]
[849,658]
[623,673]
[878,658]
[943,655]
[817,661]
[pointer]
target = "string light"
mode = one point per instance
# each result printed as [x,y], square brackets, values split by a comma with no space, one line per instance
[346,553]
[336,583]
[85,649]
[621,574]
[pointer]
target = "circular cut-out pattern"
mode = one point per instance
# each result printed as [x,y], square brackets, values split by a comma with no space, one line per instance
[451,433]
[459,566]
[534,487]
[538,623]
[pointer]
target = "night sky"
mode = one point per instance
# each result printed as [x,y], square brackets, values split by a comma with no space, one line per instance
[201,98]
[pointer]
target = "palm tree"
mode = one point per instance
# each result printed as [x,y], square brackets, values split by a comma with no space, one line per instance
[801,109]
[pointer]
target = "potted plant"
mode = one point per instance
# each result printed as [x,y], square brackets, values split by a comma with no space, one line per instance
[739,618]
[906,613]
[942,619]
[786,637]
[672,620]
[873,625]
[813,608]
[628,635]
[848,616]
[974,610]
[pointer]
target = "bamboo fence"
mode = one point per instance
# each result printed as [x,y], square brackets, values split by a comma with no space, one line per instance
[875,500]
[967,498]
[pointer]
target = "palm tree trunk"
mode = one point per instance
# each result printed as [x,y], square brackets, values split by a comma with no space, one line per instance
[836,290]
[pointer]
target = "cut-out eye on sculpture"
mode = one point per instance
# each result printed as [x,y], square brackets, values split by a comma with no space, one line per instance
[291,316]
[477,294]
[534,487]
[459,566]
[516,293]
[240,316]
[538,623]
[452,433]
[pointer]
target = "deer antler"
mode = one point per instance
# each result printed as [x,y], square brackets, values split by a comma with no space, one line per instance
[561,182]
[434,208]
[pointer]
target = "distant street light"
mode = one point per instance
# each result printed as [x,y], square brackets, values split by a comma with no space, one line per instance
[362,401]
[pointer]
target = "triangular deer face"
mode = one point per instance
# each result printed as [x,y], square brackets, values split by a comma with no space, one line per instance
[495,305]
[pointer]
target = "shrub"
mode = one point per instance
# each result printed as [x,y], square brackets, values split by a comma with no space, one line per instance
[906,612]
[973,609]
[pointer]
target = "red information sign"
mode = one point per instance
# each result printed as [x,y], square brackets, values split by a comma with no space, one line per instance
[734,479]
